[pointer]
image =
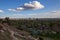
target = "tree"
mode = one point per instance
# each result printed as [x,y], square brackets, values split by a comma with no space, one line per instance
[7,20]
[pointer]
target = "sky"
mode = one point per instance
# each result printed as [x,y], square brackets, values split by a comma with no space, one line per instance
[30,8]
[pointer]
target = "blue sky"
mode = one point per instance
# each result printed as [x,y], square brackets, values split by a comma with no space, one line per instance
[30,8]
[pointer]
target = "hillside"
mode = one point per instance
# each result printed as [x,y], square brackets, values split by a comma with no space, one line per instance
[10,33]
[29,29]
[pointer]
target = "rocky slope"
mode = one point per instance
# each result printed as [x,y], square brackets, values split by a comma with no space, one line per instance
[10,33]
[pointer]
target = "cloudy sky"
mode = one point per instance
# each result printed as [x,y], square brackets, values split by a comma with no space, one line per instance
[30,8]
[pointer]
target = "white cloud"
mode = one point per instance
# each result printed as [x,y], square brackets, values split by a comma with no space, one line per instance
[34,5]
[12,10]
[20,9]
[1,11]
[18,16]
[53,14]
[31,5]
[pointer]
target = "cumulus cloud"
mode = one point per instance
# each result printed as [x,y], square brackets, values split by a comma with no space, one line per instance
[31,5]
[1,11]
